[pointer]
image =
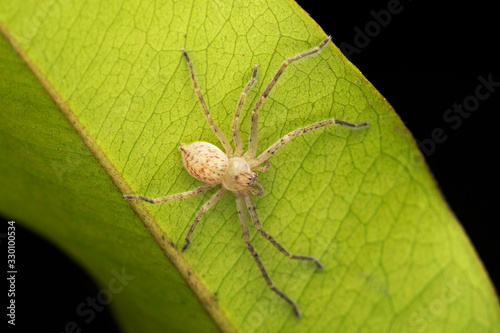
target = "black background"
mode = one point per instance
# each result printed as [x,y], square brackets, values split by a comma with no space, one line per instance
[425,60]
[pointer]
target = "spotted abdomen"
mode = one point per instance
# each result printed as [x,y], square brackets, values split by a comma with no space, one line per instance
[204,161]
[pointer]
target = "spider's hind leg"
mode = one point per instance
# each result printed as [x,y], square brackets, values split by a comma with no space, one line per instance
[204,106]
[171,197]
[212,201]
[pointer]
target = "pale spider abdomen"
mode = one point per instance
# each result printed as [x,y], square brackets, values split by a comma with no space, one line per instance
[204,161]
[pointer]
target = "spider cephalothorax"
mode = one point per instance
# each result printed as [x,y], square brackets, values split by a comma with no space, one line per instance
[237,172]
[239,176]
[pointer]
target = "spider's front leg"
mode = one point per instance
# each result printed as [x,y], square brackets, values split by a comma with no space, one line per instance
[240,204]
[264,156]
[252,140]
[256,221]
[263,168]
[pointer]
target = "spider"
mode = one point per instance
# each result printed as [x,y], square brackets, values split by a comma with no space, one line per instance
[237,171]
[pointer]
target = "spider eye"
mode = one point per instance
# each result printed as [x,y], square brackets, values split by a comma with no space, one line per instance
[246,179]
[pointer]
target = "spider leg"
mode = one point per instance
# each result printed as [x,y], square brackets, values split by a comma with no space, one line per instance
[202,211]
[281,142]
[256,221]
[263,168]
[210,120]
[240,203]
[171,197]
[238,146]
[252,141]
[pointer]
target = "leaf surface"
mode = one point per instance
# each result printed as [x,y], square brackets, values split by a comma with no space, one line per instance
[363,201]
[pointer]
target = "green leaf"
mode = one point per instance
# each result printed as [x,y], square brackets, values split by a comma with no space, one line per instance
[96,98]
